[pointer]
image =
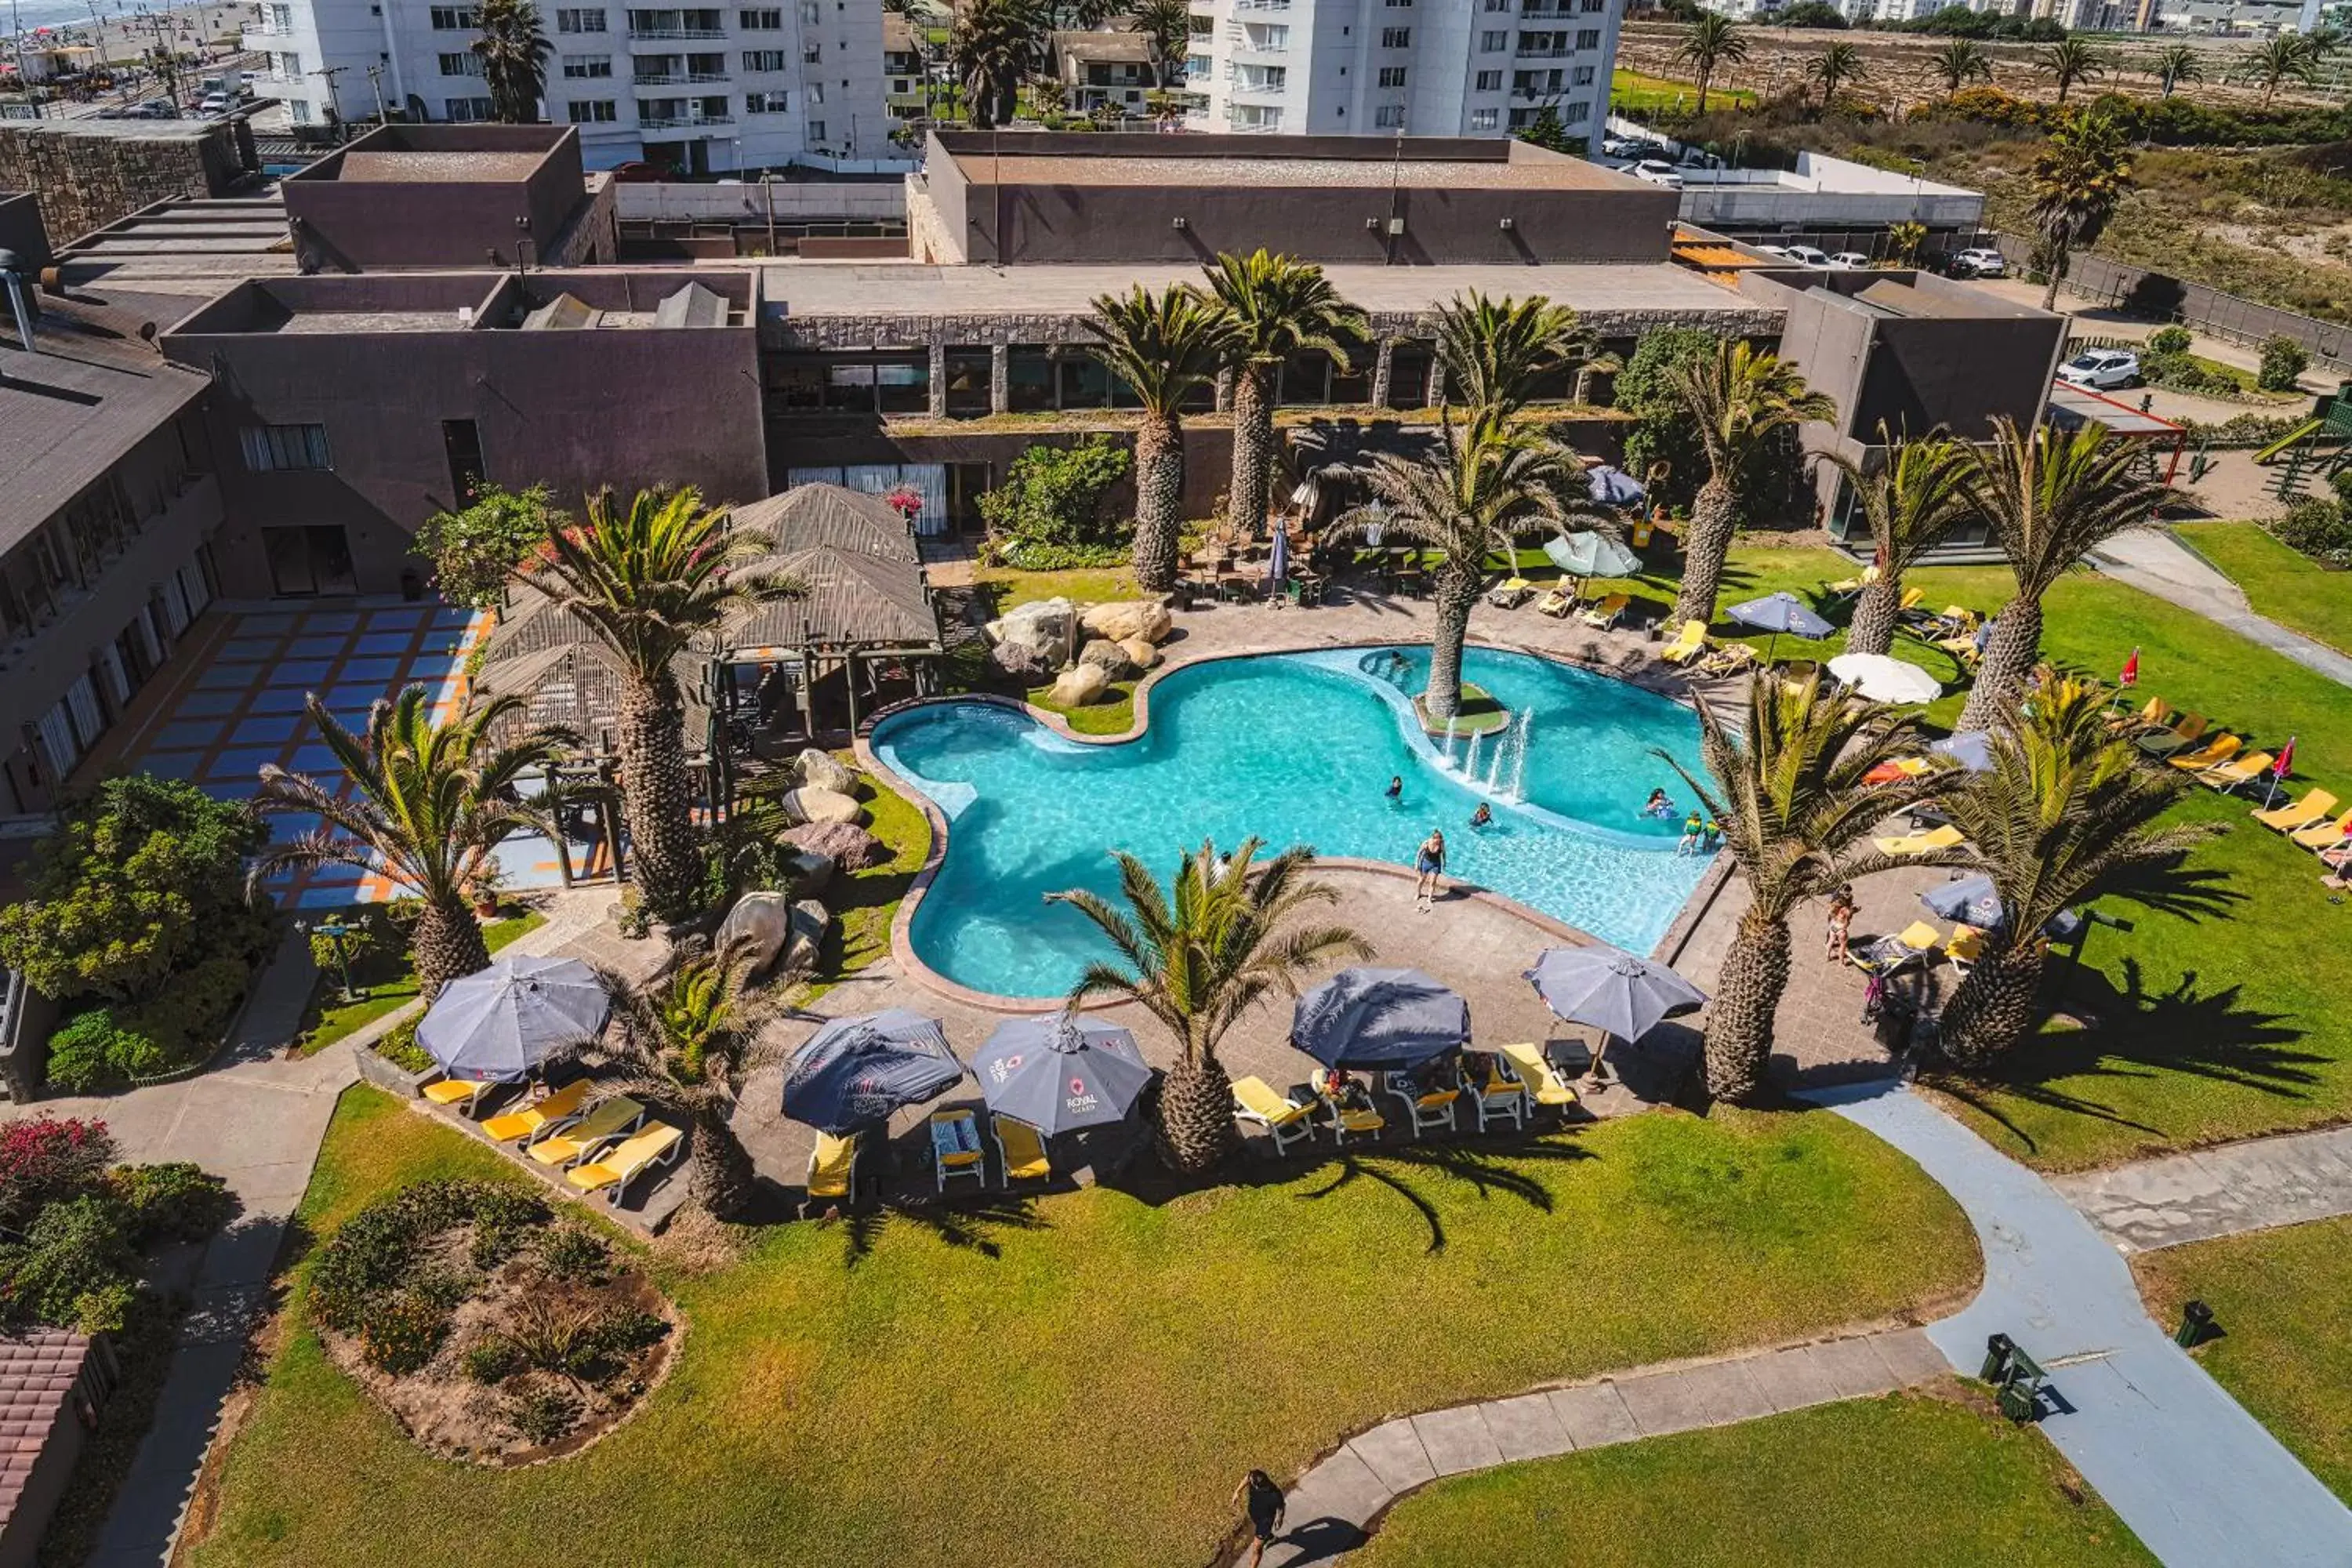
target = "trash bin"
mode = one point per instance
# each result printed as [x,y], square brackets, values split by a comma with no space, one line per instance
[411,584]
[1999,1348]
[2196,1317]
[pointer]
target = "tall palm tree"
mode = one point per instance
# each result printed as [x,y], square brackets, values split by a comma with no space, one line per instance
[1198,955]
[1274,307]
[1737,397]
[2079,177]
[2175,64]
[1788,786]
[1712,41]
[1167,29]
[1484,488]
[429,803]
[687,1037]
[514,53]
[995,47]
[2067,62]
[1911,500]
[1961,61]
[1165,347]
[2050,498]
[2281,59]
[650,577]
[1837,66]
[1491,352]
[2067,805]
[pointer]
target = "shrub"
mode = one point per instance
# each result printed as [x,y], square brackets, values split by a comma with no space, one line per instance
[399,1047]
[399,1334]
[475,550]
[1055,495]
[75,1267]
[492,1360]
[2283,359]
[2319,529]
[1029,556]
[541,1416]
[2169,341]
[571,1252]
[375,1252]
[175,1200]
[48,1158]
[620,1333]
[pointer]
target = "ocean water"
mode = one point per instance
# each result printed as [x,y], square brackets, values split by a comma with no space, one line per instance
[1293,749]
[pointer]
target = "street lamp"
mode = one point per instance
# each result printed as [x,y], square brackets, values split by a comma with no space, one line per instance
[342,939]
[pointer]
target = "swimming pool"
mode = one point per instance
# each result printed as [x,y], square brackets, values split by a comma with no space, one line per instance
[1296,749]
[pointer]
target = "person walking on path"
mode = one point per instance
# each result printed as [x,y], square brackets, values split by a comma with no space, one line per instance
[1430,864]
[1266,1504]
[1841,923]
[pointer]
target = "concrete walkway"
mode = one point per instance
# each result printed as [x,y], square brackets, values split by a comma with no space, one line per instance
[2220,1191]
[2155,562]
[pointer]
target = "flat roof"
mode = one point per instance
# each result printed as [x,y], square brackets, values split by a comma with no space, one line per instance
[2073,407]
[458,167]
[1276,171]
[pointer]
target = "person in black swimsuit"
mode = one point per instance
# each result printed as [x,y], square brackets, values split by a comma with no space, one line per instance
[1265,1501]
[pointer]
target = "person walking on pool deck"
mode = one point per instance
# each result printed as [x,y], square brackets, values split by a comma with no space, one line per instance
[1266,1503]
[1841,923]
[1429,863]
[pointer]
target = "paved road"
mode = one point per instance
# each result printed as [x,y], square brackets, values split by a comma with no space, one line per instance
[2154,561]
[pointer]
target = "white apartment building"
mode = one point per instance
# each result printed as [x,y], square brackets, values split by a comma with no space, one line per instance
[705,90]
[1422,67]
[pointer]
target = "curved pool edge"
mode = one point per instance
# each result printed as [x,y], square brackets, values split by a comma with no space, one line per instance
[910,964]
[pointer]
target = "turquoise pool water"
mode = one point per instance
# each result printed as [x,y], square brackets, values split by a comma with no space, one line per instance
[1296,749]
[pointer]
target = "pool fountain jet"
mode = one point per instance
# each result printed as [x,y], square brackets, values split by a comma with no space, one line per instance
[1445,755]
[1495,761]
[1470,762]
[1519,738]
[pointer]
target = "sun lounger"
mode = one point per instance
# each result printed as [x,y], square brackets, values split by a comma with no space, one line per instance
[833,1167]
[2324,834]
[1849,586]
[462,1095]
[1019,1150]
[2183,733]
[1510,592]
[1604,615]
[1288,1121]
[1424,1109]
[611,1119]
[544,1116]
[1347,1121]
[1496,1091]
[2211,756]
[1963,949]
[1555,603]
[1909,610]
[2229,775]
[1544,1083]
[1909,946]
[1962,648]
[1688,645]
[2313,807]
[1944,837]
[2156,715]
[1730,660]
[955,1148]
[657,1146]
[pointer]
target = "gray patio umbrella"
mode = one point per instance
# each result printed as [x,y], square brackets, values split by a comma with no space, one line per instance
[1377,1018]
[1778,613]
[1972,749]
[857,1070]
[1588,554]
[501,1023]
[1059,1073]
[1973,901]
[1614,487]
[1611,989]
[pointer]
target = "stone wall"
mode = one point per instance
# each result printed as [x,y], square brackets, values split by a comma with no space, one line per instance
[90,174]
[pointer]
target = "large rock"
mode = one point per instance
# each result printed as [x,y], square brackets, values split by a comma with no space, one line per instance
[1079,685]
[1140,652]
[1029,666]
[848,845]
[821,769]
[1113,661]
[1043,624]
[1145,619]
[761,924]
[805,937]
[807,804]
[811,872]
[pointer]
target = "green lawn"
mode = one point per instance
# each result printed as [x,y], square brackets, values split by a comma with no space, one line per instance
[2282,1301]
[864,907]
[385,981]
[1081,1379]
[1082,585]
[1894,1482]
[2284,585]
[1631,92]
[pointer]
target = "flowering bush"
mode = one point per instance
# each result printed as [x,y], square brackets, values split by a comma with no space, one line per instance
[906,501]
[47,1158]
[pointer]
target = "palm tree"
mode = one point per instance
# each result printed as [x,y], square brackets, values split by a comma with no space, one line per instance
[429,803]
[2281,59]
[649,578]
[995,47]
[514,60]
[2068,61]
[2067,805]
[1198,955]
[1711,41]
[1836,67]
[1491,352]
[1167,29]
[2175,64]
[1786,785]
[1274,307]
[2050,498]
[687,1039]
[1911,499]
[1484,487]
[2078,179]
[1737,397]
[1961,61]
[1164,346]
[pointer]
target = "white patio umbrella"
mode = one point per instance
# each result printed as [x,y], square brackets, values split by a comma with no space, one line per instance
[503,1022]
[1883,679]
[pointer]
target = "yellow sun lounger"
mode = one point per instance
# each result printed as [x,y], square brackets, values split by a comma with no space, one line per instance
[833,1167]
[1354,1122]
[1287,1120]
[1944,837]
[1498,1092]
[1604,615]
[1426,1111]
[2212,756]
[569,1145]
[955,1148]
[1966,946]
[657,1145]
[1556,605]
[462,1095]
[2313,807]
[1688,645]
[2324,834]
[2181,734]
[541,1117]
[1019,1150]
[1510,592]
[1543,1081]
[2243,770]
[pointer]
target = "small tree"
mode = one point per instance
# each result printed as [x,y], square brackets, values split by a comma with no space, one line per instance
[2283,363]
[1057,495]
[1545,130]
[1904,241]
[476,548]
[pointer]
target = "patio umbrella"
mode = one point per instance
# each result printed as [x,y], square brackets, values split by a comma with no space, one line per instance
[1278,561]
[1974,902]
[1614,487]
[1588,554]
[1059,1073]
[857,1070]
[1374,1018]
[1778,613]
[1972,749]
[1616,992]
[1884,678]
[500,1024]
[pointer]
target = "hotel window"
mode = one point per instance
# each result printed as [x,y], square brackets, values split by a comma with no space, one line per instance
[586,67]
[810,14]
[766,60]
[592,110]
[812,54]
[462,110]
[455,18]
[815,96]
[461,65]
[1388,117]
[272,448]
[766,20]
[1588,38]
[1392,76]
[1493,43]
[817,130]
[1582,76]
[580,21]
[1485,118]
[1396,37]
[767,102]
[1489,81]
[1574,114]
[461,441]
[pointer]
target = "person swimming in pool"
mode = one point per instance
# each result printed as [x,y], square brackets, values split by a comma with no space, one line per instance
[1429,862]
[1396,786]
[1482,815]
[1658,805]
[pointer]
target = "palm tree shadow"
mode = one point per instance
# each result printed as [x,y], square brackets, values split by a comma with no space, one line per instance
[1481,1167]
[970,1224]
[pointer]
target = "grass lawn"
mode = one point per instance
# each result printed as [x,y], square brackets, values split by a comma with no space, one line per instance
[2284,585]
[385,981]
[2283,1300]
[1113,716]
[864,907]
[1635,94]
[1081,1379]
[1868,1483]
[1082,585]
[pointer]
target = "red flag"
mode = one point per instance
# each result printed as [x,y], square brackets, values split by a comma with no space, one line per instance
[2130,677]
[2286,759]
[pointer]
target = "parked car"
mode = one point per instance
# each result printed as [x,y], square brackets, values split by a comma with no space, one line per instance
[1657,173]
[1850,261]
[1802,255]
[1979,261]
[2102,370]
[214,103]
[1618,146]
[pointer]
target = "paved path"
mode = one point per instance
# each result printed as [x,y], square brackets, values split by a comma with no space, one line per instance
[2216,1192]
[2154,561]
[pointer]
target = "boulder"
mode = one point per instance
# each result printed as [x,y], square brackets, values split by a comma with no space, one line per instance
[1145,619]
[1029,666]
[821,769]
[805,937]
[1043,624]
[760,922]
[808,804]
[1113,661]
[1079,685]
[1140,652]
[811,872]
[848,845]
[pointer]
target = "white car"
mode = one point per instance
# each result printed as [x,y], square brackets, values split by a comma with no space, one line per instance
[214,103]
[1657,173]
[1981,261]
[2102,370]
[1618,146]
[1850,261]
[1802,255]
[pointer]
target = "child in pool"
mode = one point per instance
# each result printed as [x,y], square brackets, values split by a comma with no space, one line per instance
[1694,825]
[1658,805]
[1714,838]
[1482,817]
[1396,786]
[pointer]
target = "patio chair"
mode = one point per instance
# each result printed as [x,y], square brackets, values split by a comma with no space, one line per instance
[2229,775]
[1543,1081]
[1605,615]
[1557,604]
[1510,592]
[1852,587]
[2188,728]
[1962,648]
[1732,659]
[1352,1120]
[1497,1092]
[2314,806]
[1285,1119]
[832,1168]
[1964,949]
[955,1148]
[1020,1151]
[2209,756]
[2157,714]
[462,1095]
[1908,612]
[611,1119]
[1426,1109]
[611,1175]
[1687,645]
[542,1116]
[1944,837]
[2324,834]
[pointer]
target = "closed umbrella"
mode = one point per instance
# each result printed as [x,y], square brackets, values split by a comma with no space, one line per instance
[1884,679]
[498,1025]
[1059,1073]
[1778,613]
[1378,1018]
[1278,561]
[1609,989]
[857,1070]
[1972,749]
[1588,554]
[1973,901]
[1614,487]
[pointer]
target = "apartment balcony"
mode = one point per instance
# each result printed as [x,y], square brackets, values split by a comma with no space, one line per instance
[684,122]
[676,78]
[1244,6]
[1258,92]
[668,33]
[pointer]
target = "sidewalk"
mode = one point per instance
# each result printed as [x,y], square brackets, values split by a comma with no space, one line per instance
[2154,561]
[2222,1191]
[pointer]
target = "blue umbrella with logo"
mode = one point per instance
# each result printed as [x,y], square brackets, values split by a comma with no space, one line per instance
[1778,613]
[503,1022]
[1377,1018]
[856,1071]
[1614,487]
[1973,901]
[1060,1073]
